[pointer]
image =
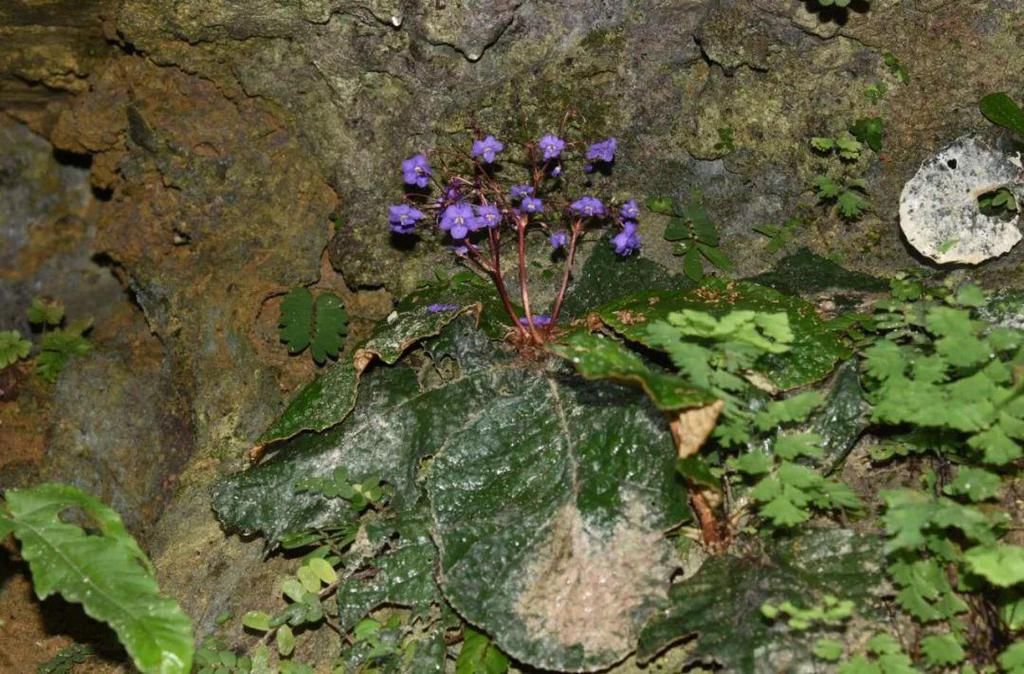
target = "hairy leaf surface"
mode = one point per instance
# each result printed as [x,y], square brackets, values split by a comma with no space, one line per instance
[721,604]
[548,494]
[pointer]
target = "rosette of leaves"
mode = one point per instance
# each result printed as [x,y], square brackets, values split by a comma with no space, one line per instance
[695,236]
[582,469]
[318,324]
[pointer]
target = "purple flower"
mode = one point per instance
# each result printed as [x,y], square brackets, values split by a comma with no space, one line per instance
[487,148]
[627,241]
[487,215]
[520,191]
[416,170]
[403,218]
[437,308]
[457,220]
[629,210]
[602,150]
[531,205]
[557,171]
[461,251]
[559,239]
[539,321]
[588,207]
[552,146]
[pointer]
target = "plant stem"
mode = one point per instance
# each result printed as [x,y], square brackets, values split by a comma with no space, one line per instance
[577,229]
[521,231]
[494,239]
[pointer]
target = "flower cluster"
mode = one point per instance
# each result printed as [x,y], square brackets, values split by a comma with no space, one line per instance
[474,209]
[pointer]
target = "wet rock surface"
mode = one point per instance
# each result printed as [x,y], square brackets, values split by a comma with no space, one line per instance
[230,145]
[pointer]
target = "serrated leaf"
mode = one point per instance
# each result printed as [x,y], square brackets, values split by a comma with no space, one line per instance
[296,319]
[941,650]
[12,347]
[45,312]
[1000,109]
[851,204]
[1012,659]
[828,649]
[58,347]
[319,324]
[330,324]
[814,350]
[976,484]
[826,187]
[598,357]
[107,573]
[787,411]
[677,229]
[848,147]
[479,655]
[1001,564]
[720,604]
[823,144]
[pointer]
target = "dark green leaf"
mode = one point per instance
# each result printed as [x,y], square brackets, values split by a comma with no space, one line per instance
[606,276]
[587,473]
[695,469]
[692,266]
[296,319]
[329,327]
[403,574]
[721,604]
[869,130]
[804,272]
[677,229]
[59,346]
[599,357]
[814,350]
[1000,109]
[715,257]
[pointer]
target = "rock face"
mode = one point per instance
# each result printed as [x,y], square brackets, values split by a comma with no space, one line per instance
[224,137]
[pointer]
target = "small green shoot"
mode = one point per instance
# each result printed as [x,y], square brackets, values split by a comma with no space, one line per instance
[45,313]
[695,236]
[895,67]
[847,195]
[57,347]
[319,324]
[780,235]
[869,130]
[726,143]
[12,347]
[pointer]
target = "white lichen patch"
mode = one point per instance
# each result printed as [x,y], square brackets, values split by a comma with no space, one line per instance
[592,587]
[939,211]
